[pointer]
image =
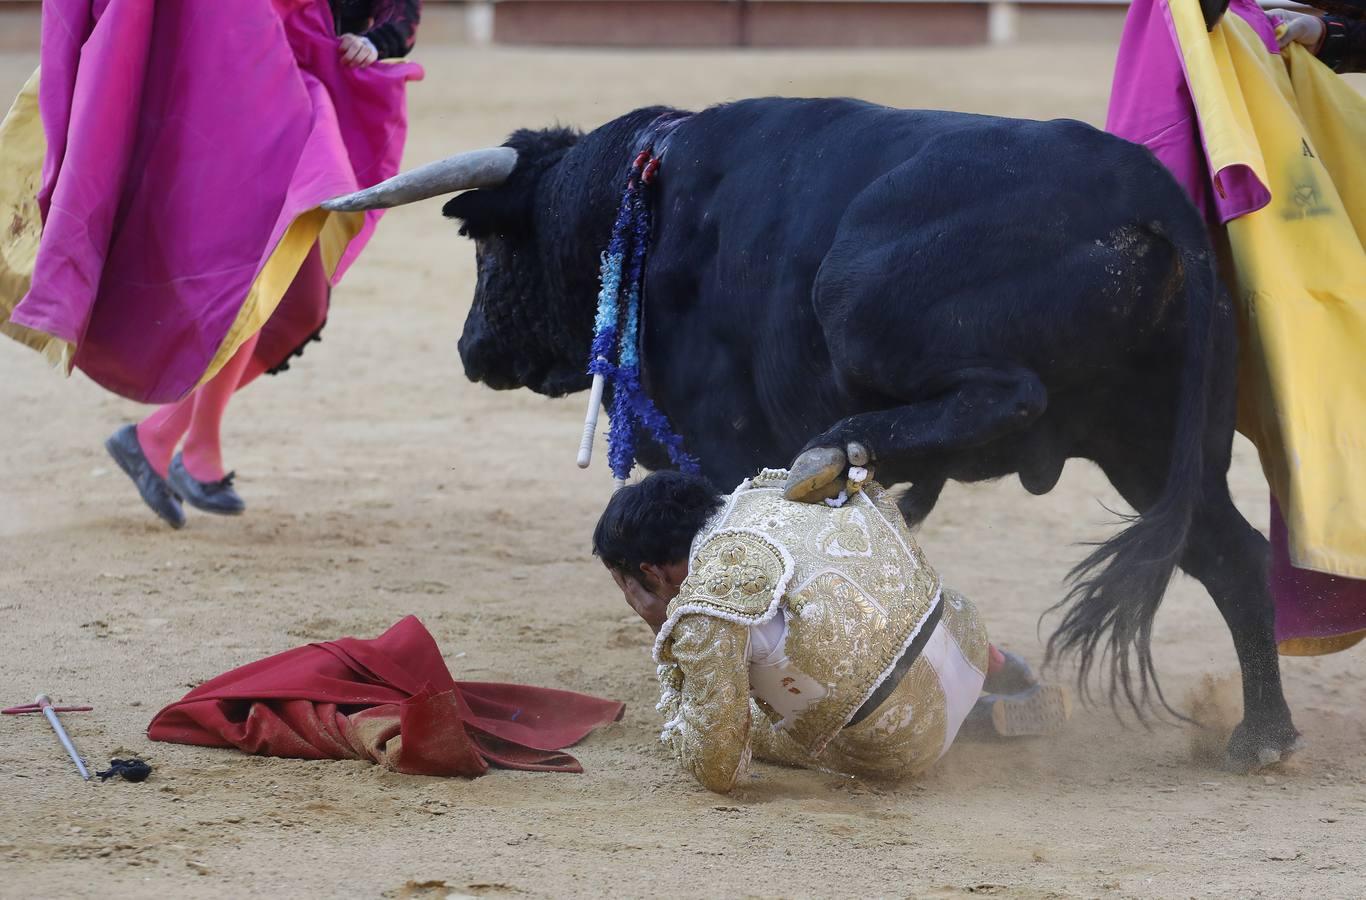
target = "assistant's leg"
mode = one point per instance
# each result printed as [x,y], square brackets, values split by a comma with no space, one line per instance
[159,433]
[203,453]
[196,474]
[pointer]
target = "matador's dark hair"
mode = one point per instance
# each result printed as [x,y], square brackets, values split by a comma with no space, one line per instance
[654,521]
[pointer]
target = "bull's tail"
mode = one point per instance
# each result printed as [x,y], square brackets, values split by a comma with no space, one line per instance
[1118,587]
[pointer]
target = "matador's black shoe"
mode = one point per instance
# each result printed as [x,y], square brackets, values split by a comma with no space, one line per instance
[1038,710]
[1014,677]
[156,493]
[217,497]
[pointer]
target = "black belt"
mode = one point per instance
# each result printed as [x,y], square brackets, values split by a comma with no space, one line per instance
[903,665]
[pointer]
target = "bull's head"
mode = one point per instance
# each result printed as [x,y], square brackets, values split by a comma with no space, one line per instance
[521,330]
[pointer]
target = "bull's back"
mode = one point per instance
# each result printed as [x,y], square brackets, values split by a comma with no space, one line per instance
[752,196]
[760,184]
[753,192]
[1035,243]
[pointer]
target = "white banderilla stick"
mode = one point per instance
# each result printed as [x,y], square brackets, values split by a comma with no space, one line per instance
[590,421]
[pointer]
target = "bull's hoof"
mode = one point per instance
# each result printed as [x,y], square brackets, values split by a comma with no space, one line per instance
[1249,752]
[816,475]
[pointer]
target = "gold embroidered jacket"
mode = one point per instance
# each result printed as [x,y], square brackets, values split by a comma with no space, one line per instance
[855,592]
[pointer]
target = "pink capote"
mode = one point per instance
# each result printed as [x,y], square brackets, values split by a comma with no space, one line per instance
[183,140]
[1150,104]
[1314,605]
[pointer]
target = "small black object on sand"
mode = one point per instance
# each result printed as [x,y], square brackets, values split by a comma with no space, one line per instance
[127,769]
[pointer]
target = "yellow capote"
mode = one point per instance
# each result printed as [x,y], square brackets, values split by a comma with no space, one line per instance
[22,147]
[1300,274]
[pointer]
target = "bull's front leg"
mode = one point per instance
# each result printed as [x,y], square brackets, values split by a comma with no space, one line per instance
[970,407]
[919,500]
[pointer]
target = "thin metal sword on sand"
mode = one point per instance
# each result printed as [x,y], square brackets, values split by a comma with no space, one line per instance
[44,704]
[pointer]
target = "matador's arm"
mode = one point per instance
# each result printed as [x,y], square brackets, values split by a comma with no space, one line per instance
[706,699]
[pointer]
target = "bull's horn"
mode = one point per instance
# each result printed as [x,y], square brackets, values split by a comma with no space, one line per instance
[486,168]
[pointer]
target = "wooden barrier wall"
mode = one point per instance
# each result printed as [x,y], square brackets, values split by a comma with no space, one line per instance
[723,23]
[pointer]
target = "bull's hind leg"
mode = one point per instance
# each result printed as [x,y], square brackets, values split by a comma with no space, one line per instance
[1229,557]
[966,408]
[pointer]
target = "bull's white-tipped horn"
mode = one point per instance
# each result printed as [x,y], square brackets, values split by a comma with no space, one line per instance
[486,168]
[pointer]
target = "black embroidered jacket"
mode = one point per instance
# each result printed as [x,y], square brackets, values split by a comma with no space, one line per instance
[391,25]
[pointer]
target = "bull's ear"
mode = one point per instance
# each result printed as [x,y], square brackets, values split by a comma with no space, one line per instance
[506,209]
[482,214]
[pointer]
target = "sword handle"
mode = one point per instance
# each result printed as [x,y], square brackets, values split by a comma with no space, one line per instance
[590,421]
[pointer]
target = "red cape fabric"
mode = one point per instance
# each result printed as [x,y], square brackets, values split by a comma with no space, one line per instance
[390,700]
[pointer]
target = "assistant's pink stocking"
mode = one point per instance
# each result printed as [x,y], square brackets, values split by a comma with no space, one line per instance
[162,430]
[202,453]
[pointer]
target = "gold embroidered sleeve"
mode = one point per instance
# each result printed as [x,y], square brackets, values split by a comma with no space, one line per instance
[774,746]
[670,683]
[709,730]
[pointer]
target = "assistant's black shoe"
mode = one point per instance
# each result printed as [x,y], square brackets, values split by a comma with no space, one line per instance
[217,497]
[156,493]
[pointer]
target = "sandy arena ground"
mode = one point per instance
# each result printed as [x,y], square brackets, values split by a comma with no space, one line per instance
[382,483]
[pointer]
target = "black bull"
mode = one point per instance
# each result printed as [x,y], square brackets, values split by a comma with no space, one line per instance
[967,297]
